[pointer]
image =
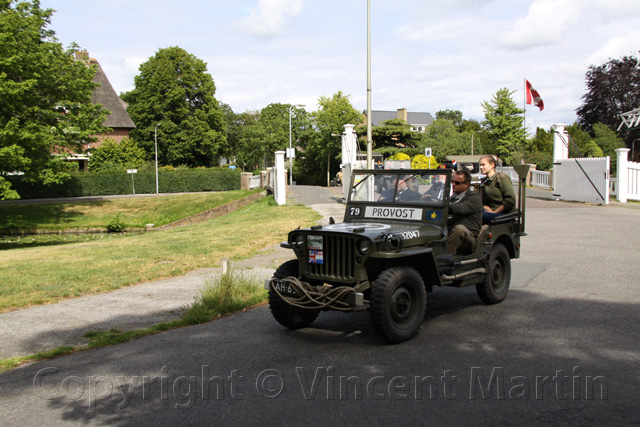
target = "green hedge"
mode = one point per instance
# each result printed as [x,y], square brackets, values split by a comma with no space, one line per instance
[112,183]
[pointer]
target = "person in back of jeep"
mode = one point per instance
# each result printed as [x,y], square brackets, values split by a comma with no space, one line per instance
[466,208]
[496,190]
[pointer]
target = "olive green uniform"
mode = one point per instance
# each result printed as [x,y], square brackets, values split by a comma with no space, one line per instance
[498,191]
[466,209]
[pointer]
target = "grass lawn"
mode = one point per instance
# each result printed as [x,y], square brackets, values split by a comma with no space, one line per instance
[134,212]
[43,274]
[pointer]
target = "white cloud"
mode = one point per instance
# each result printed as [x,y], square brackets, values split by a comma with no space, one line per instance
[616,47]
[546,23]
[270,18]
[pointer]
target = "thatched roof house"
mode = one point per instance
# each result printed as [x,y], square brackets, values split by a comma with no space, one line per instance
[118,119]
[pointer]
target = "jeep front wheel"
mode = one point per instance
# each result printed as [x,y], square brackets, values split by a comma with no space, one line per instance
[495,286]
[398,303]
[287,315]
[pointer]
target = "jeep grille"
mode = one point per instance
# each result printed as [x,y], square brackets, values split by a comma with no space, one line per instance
[339,263]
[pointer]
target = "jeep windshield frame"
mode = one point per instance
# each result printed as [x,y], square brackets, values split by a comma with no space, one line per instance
[401,186]
[399,196]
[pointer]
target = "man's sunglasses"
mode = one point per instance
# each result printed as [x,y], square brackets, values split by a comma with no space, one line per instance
[459,182]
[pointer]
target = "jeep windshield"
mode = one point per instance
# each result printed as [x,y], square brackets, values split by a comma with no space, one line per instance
[400,187]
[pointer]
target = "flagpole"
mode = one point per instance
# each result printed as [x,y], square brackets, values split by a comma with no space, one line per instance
[524,114]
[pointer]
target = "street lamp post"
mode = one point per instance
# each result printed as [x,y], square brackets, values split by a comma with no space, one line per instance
[472,144]
[290,148]
[472,133]
[369,124]
[155,142]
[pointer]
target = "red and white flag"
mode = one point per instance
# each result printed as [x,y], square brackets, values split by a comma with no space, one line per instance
[533,97]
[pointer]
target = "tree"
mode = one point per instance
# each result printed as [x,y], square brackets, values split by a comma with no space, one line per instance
[112,154]
[541,142]
[393,133]
[238,126]
[455,116]
[175,93]
[46,103]
[539,149]
[613,88]
[580,142]
[322,148]
[445,140]
[608,141]
[504,123]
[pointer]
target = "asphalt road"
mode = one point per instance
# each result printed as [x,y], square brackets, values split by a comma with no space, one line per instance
[561,350]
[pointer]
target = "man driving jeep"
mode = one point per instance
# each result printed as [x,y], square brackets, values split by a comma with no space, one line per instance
[466,210]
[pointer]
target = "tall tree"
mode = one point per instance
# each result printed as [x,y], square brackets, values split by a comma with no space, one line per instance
[445,140]
[238,125]
[322,148]
[541,142]
[608,141]
[393,133]
[613,88]
[455,116]
[46,103]
[580,142]
[175,93]
[504,122]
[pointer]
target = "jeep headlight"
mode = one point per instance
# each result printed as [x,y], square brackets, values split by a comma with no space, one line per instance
[298,241]
[363,246]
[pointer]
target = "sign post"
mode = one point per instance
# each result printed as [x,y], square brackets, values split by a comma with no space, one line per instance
[427,154]
[133,184]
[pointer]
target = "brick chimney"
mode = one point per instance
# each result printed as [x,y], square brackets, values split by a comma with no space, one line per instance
[402,114]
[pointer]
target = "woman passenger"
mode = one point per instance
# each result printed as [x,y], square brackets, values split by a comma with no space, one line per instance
[496,190]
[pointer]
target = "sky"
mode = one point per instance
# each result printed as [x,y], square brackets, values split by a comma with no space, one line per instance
[426,55]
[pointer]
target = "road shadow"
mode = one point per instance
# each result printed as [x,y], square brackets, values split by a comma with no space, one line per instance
[188,374]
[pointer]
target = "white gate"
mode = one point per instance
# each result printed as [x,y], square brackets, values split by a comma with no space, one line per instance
[582,180]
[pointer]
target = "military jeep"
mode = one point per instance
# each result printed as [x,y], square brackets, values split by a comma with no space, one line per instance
[388,253]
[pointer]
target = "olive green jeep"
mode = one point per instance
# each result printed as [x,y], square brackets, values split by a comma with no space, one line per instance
[389,252]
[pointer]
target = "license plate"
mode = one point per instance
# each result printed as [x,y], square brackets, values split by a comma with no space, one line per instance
[284,288]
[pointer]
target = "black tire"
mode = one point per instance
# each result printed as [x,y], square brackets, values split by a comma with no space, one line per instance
[495,286]
[285,314]
[398,303]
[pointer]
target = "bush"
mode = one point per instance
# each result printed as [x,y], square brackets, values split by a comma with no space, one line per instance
[113,155]
[113,183]
[116,225]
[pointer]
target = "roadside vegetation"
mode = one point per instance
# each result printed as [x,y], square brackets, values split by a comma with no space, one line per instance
[48,273]
[221,295]
[134,212]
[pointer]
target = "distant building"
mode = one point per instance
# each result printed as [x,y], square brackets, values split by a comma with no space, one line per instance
[417,121]
[118,119]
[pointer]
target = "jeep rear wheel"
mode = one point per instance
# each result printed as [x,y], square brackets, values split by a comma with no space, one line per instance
[287,315]
[495,286]
[398,303]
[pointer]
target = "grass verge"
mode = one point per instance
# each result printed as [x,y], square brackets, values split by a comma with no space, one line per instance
[133,212]
[221,295]
[46,274]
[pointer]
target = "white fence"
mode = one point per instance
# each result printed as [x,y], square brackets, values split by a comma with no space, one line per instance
[541,179]
[628,182]
[255,182]
[633,181]
[582,180]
